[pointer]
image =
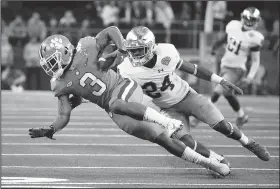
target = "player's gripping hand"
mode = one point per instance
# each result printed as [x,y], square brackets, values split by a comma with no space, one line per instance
[75,101]
[42,132]
[118,56]
[229,86]
[245,82]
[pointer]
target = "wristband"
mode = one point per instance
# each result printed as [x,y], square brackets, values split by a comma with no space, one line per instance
[216,79]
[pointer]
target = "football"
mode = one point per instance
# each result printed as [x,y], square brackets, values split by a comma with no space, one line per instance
[106,64]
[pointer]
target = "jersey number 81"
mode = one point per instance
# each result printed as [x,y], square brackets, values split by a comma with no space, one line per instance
[234,45]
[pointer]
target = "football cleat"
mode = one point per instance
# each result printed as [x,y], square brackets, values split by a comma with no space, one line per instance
[240,121]
[259,150]
[173,127]
[217,168]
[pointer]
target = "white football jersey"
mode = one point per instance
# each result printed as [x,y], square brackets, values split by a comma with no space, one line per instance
[239,45]
[160,82]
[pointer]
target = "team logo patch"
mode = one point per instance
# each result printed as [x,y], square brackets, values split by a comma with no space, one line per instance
[69,84]
[165,60]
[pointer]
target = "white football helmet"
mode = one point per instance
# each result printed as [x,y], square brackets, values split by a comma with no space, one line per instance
[55,54]
[140,42]
[250,18]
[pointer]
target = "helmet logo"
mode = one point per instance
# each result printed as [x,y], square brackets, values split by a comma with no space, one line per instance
[56,43]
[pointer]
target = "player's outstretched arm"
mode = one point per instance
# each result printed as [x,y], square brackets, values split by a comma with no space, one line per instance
[207,75]
[218,43]
[62,119]
[255,59]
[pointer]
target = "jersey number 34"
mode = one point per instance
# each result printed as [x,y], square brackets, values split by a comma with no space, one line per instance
[150,88]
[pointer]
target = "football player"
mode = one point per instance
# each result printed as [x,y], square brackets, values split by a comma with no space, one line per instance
[81,72]
[152,66]
[243,40]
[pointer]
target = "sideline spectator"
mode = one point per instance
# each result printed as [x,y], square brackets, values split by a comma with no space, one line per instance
[85,29]
[66,22]
[68,19]
[18,31]
[165,16]
[7,53]
[125,12]
[32,59]
[109,14]
[53,26]
[36,27]
[13,79]
[220,12]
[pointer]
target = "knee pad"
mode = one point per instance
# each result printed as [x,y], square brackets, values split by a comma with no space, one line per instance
[189,141]
[224,127]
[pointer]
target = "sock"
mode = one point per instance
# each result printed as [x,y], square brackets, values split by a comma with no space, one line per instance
[215,97]
[154,116]
[234,103]
[240,113]
[196,146]
[214,155]
[244,139]
[194,157]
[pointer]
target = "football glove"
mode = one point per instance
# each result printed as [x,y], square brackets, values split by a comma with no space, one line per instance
[230,87]
[245,82]
[75,101]
[42,132]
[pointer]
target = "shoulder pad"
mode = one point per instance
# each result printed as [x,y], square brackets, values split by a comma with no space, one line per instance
[85,42]
[256,37]
[56,87]
[234,24]
[169,55]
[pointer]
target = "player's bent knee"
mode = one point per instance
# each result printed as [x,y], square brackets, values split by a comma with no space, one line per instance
[224,128]
[118,107]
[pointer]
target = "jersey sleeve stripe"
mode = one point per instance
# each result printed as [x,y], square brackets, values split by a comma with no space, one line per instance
[131,91]
[255,48]
[123,88]
[127,89]
[179,64]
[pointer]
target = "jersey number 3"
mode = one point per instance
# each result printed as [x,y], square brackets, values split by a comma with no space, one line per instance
[97,84]
[234,45]
[150,88]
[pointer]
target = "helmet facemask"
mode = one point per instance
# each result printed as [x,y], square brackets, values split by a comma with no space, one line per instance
[139,54]
[55,63]
[250,19]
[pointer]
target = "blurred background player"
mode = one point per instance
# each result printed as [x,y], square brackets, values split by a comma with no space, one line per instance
[242,40]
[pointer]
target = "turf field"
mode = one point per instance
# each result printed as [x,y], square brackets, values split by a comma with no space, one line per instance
[93,152]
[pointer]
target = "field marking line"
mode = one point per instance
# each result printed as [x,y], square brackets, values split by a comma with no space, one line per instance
[123,155]
[157,168]
[115,144]
[130,136]
[146,183]
[119,130]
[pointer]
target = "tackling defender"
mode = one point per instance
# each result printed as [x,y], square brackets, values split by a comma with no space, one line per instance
[152,66]
[242,41]
[78,72]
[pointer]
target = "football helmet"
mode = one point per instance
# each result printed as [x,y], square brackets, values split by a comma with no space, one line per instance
[55,54]
[250,18]
[140,42]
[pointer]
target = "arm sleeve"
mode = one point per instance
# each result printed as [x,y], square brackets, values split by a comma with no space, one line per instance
[110,34]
